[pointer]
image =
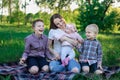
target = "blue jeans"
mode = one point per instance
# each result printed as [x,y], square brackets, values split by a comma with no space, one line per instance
[55,66]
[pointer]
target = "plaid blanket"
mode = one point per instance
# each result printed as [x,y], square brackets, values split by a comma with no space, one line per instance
[19,72]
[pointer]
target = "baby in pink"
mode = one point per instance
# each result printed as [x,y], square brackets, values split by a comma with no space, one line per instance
[67,51]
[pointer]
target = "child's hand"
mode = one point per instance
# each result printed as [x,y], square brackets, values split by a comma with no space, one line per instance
[22,61]
[57,57]
[100,67]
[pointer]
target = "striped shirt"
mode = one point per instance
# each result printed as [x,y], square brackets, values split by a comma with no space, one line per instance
[90,51]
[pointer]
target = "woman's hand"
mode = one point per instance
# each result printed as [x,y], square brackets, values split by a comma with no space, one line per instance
[71,41]
[50,47]
[75,43]
[57,56]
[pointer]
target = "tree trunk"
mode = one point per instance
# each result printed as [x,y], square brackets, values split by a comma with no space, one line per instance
[9,10]
[2,11]
[25,22]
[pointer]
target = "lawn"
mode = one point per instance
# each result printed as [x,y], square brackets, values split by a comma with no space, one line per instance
[12,45]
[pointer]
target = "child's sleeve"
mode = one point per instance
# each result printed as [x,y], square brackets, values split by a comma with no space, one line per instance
[80,49]
[27,49]
[47,52]
[79,38]
[99,54]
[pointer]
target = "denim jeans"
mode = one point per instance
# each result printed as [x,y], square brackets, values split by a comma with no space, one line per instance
[55,66]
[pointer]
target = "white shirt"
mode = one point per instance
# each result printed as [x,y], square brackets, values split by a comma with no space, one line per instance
[55,34]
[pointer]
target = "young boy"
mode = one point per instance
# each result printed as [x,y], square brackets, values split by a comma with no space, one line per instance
[36,49]
[90,51]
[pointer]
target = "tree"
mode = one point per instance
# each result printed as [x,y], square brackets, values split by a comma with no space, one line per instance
[1,7]
[56,5]
[24,6]
[17,11]
[93,11]
[15,17]
[3,4]
[29,18]
[8,4]
[9,8]
[112,20]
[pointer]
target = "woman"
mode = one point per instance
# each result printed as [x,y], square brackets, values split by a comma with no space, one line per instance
[57,29]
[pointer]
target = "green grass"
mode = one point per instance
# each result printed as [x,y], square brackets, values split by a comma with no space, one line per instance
[111,48]
[12,46]
[12,43]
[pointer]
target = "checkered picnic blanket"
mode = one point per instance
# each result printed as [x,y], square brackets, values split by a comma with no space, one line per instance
[19,72]
[45,76]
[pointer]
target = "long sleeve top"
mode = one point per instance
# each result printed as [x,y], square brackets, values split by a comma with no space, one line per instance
[74,36]
[91,51]
[35,46]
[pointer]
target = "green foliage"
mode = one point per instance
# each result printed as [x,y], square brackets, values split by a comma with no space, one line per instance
[12,44]
[37,15]
[80,77]
[112,20]
[90,13]
[12,41]
[98,13]
[110,48]
[46,18]
[56,5]
[29,18]
[5,77]
[16,16]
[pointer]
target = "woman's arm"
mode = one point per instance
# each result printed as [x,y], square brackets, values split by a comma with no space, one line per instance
[50,47]
[70,40]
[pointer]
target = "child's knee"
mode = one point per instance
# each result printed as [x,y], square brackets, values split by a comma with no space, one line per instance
[75,70]
[34,70]
[85,69]
[45,68]
[98,72]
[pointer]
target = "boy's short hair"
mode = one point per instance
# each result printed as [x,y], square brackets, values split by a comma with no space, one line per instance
[93,27]
[37,20]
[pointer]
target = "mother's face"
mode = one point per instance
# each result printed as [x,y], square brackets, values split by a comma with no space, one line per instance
[60,23]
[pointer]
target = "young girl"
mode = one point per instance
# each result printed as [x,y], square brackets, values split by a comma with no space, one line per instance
[36,49]
[67,50]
